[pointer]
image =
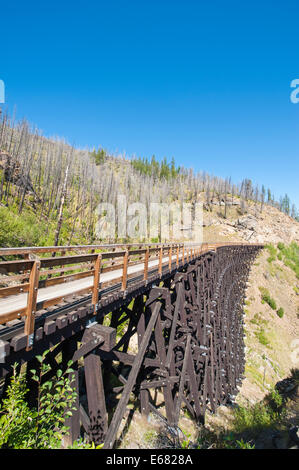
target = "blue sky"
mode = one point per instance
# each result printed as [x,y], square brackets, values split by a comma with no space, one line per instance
[205,82]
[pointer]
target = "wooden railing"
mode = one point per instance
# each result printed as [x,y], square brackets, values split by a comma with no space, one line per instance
[32,270]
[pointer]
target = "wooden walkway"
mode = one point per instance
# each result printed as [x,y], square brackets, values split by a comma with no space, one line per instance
[19,302]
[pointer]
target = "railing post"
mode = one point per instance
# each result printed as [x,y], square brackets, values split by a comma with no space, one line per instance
[146,257]
[125,271]
[62,254]
[160,260]
[96,283]
[31,304]
[170,258]
[177,256]
[183,256]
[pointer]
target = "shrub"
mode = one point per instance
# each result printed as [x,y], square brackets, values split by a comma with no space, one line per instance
[255,417]
[291,257]
[272,250]
[271,302]
[274,400]
[42,427]
[280,312]
[261,336]
[267,298]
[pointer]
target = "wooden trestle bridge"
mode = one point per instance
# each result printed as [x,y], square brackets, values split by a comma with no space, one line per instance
[162,321]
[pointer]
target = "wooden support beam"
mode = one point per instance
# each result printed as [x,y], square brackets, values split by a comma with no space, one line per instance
[182,381]
[96,398]
[120,409]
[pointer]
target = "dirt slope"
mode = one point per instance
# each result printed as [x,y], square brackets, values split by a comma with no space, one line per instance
[266,226]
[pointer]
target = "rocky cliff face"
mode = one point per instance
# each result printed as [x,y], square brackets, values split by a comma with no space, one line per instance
[255,226]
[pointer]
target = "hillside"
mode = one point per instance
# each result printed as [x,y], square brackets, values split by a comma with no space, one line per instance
[61,186]
[268,225]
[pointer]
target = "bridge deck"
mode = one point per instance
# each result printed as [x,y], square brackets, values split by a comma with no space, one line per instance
[15,302]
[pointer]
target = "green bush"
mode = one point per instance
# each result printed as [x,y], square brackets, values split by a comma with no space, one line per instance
[274,400]
[290,256]
[261,336]
[271,302]
[280,312]
[16,230]
[28,229]
[272,251]
[42,427]
[255,417]
[267,298]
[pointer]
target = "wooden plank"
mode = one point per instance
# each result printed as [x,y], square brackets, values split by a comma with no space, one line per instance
[178,306]
[56,300]
[62,279]
[144,394]
[96,398]
[19,342]
[14,290]
[15,266]
[161,355]
[81,266]
[116,254]
[193,386]
[182,381]
[64,260]
[110,268]
[137,252]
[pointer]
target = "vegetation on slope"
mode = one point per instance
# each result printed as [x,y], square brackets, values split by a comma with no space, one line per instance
[63,186]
